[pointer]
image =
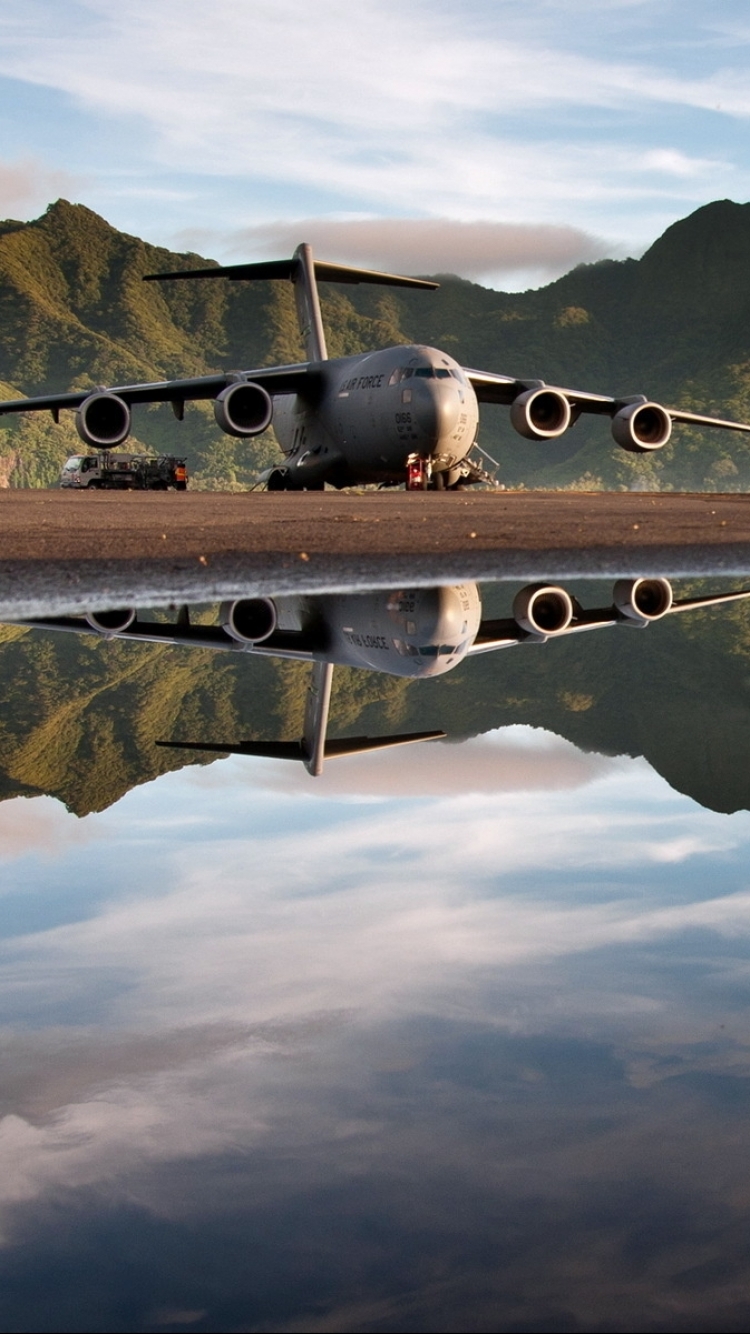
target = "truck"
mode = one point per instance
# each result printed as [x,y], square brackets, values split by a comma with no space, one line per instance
[124,472]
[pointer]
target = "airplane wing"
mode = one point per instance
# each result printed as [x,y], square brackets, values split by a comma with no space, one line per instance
[293,379]
[504,389]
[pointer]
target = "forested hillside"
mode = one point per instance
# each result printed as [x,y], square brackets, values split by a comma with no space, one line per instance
[674,324]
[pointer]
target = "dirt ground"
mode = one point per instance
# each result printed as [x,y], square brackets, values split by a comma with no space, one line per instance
[69,548]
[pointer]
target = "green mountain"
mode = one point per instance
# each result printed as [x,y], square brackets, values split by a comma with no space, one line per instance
[674,325]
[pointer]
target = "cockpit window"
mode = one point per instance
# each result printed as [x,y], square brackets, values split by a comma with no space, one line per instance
[443,374]
[425,372]
[405,650]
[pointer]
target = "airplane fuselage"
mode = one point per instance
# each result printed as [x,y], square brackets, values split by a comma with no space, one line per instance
[368,414]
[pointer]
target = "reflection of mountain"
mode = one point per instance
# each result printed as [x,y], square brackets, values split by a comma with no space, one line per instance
[74,313]
[80,717]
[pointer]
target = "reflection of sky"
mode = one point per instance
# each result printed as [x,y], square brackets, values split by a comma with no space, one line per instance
[284,1055]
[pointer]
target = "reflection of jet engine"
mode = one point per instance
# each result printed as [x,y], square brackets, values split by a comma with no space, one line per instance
[543,609]
[540,414]
[243,408]
[250,620]
[103,419]
[643,599]
[111,622]
[641,427]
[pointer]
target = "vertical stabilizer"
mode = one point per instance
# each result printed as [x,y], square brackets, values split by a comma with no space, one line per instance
[316,717]
[308,304]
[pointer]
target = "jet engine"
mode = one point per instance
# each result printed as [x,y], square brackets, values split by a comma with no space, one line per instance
[641,427]
[543,609]
[111,623]
[541,414]
[103,420]
[250,620]
[643,600]
[243,408]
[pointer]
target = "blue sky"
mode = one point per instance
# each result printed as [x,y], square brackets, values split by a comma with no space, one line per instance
[559,129]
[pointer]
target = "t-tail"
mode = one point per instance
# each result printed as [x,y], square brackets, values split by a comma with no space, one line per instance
[304,271]
[313,747]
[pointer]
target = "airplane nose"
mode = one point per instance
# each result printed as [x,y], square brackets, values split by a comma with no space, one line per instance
[436,405]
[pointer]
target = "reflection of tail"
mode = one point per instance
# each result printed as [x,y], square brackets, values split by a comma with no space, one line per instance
[313,748]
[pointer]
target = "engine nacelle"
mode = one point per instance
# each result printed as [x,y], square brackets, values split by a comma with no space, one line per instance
[643,600]
[103,420]
[641,427]
[543,609]
[541,414]
[243,409]
[249,620]
[109,623]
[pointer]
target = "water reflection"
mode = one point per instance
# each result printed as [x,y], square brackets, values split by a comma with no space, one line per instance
[455,1037]
[413,634]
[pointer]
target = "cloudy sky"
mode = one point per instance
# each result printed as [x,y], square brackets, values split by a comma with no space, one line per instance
[506,141]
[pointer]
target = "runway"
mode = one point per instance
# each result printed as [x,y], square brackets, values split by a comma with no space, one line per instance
[63,551]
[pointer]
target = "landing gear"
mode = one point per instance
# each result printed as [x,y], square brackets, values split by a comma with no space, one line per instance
[276,481]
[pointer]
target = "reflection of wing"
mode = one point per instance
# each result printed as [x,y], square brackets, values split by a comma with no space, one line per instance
[295,379]
[299,645]
[490,388]
[507,632]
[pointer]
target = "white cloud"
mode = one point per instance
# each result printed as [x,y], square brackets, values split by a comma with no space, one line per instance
[27,185]
[425,112]
[426,245]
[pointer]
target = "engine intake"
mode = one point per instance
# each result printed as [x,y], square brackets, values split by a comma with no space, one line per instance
[249,620]
[643,600]
[641,427]
[540,414]
[543,609]
[243,409]
[103,419]
[111,623]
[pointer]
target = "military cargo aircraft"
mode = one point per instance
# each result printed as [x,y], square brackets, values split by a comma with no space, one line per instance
[418,632]
[399,416]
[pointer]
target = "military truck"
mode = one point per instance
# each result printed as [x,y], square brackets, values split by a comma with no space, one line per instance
[124,472]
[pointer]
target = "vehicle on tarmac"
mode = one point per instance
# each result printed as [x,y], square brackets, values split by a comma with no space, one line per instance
[404,415]
[124,472]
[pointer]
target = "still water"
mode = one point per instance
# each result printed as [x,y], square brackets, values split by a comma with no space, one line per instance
[453,1036]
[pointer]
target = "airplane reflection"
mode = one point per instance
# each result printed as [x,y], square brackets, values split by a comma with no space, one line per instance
[416,633]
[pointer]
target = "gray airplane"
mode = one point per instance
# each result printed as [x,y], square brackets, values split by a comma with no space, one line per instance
[402,415]
[419,632]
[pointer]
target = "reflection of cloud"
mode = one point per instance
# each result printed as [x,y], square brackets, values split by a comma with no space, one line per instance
[481,765]
[38,825]
[428,245]
[303,924]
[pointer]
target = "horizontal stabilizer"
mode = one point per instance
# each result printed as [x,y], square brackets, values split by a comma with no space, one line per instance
[265,750]
[287,268]
[294,750]
[358,745]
